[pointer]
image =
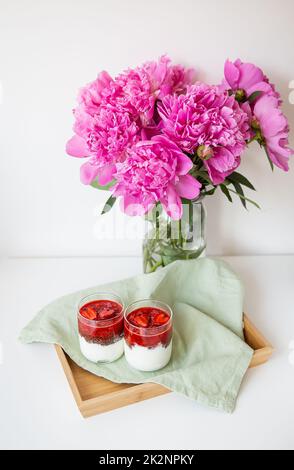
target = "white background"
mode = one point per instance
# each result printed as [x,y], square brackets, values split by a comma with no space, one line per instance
[48,49]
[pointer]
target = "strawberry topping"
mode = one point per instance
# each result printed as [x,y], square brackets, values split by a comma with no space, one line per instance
[88,312]
[106,313]
[141,319]
[147,317]
[160,319]
[148,326]
[107,322]
[100,310]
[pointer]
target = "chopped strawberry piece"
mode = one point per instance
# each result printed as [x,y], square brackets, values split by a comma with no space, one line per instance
[106,313]
[88,312]
[160,319]
[141,320]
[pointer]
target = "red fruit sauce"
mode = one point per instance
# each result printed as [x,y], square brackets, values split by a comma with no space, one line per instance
[149,327]
[101,321]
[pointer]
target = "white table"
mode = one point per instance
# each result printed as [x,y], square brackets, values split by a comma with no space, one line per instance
[37,409]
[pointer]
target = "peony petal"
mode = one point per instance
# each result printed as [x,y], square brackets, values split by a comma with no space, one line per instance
[103,80]
[77,147]
[132,205]
[247,109]
[105,174]
[270,117]
[88,172]
[275,123]
[160,70]
[261,86]
[279,152]
[231,73]
[280,159]
[172,203]
[184,164]
[188,187]
[249,75]
[222,164]
[84,122]
[215,176]
[222,159]
[264,106]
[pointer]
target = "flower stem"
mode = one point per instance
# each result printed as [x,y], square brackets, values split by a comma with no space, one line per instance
[255,137]
[155,266]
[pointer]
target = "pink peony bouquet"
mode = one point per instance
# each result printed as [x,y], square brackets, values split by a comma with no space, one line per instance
[156,135]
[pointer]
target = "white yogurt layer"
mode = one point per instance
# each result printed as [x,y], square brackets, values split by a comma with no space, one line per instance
[98,353]
[148,359]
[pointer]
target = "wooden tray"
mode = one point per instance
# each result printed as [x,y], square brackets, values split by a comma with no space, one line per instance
[96,395]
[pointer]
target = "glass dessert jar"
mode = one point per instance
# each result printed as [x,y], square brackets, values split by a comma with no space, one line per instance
[148,334]
[100,327]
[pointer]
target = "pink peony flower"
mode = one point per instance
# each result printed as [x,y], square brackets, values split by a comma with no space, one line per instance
[104,137]
[245,78]
[137,95]
[143,85]
[210,122]
[155,170]
[110,114]
[139,127]
[221,164]
[273,125]
[166,79]
[113,131]
[91,96]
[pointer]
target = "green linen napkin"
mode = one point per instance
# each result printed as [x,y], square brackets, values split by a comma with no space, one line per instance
[209,357]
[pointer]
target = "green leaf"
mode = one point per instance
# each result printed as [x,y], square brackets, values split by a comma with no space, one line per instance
[167,260]
[269,159]
[96,185]
[108,205]
[224,190]
[195,254]
[244,197]
[168,250]
[235,176]
[210,191]
[253,96]
[240,192]
[201,174]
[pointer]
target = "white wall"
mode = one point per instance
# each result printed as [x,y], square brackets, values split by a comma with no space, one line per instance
[48,49]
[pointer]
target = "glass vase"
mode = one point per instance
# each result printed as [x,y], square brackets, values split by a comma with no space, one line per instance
[167,240]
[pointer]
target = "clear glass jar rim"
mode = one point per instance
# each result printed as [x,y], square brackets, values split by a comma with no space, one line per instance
[83,301]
